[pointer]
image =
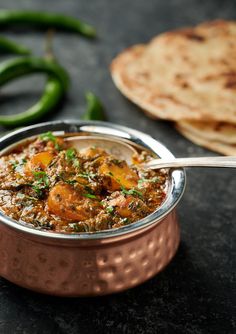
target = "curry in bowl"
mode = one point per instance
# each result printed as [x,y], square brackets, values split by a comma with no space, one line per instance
[50,185]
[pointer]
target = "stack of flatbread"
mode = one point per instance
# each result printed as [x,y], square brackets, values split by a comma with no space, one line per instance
[187,76]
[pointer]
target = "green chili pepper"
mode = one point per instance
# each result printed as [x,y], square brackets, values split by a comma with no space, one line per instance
[95,110]
[51,96]
[17,67]
[55,88]
[10,47]
[46,20]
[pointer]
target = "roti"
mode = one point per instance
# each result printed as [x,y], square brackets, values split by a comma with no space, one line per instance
[214,145]
[214,131]
[186,74]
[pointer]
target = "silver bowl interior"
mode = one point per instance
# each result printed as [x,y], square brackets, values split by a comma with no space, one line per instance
[177,177]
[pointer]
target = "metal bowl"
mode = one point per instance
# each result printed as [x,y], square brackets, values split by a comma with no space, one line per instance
[90,264]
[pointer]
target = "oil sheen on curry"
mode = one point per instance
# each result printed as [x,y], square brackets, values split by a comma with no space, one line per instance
[52,186]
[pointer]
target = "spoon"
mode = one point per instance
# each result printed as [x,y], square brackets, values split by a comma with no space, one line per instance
[229,161]
[122,150]
[119,148]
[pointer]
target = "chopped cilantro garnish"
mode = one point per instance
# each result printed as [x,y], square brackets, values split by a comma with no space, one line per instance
[41,183]
[133,205]
[131,192]
[23,196]
[87,175]
[70,181]
[31,198]
[70,154]
[90,196]
[16,164]
[41,177]
[141,181]
[88,189]
[72,157]
[38,190]
[125,221]
[117,162]
[62,176]
[76,163]
[48,136]
[77,227]
[110,209]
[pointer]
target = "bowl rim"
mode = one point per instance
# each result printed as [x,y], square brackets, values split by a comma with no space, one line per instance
[177,176]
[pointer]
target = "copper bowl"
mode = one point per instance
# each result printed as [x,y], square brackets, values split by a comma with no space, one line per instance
[91,264]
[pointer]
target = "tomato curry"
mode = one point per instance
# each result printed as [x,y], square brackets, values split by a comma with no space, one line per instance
[54,187]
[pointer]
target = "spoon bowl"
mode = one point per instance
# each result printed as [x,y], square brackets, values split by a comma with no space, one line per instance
[118,148]
[121,150]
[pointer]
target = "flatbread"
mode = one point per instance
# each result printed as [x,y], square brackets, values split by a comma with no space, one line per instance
[183,74]
[217,146]
[216,131]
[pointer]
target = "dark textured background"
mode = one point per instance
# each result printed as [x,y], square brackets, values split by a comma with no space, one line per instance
[196,292]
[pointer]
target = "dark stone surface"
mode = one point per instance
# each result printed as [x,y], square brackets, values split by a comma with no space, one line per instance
[196,292]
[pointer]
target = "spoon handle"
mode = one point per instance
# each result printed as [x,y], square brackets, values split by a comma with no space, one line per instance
[228,161]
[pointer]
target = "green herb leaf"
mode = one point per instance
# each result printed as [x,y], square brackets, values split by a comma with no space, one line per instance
[72,157]
[117,162]
[131,192]
[14,164]
[48,136]
[87,175]
[39,174]
[90,196]
[70,154]
[125,221]
[42,179]
[152,180]
[38,190]
[70,181]
[23,196]
[76,163]
[110,209]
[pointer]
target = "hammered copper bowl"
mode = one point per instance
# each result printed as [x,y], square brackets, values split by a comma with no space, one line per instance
[90,264]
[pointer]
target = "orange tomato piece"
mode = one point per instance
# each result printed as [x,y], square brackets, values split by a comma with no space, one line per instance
[121,175]
[66,203]
[121,204]
[39,161]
